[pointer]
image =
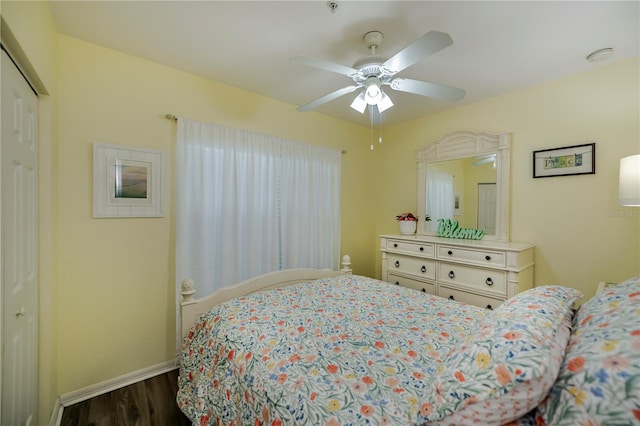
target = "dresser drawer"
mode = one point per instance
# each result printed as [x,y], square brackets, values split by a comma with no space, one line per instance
[422,249]
[469,298]
[478,279]
[425,268]
[487,258]
[414,284]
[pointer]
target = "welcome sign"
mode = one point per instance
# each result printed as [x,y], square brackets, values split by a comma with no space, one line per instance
[451,229]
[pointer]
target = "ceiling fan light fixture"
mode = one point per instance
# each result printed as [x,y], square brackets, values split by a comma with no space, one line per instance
[385,103]
[373,93]
[373,98]
[359,103]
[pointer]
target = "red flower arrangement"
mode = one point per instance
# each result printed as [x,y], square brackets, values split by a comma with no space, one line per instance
[406,216]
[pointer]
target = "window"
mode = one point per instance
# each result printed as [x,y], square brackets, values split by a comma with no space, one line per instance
[248,204]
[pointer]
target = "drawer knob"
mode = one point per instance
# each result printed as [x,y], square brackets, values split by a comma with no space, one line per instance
[395,245]
[489,281]
[451,297]
[397,283]
[489,307]
[487,257]
[424,290]
[397,263]
[450,252]
[421,248]
[452,274]
[423,269]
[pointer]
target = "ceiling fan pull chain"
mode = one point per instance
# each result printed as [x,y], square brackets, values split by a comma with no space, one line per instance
[370,126]
[371,136]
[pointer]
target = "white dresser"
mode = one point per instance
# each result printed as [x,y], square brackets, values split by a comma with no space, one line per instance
[482,273]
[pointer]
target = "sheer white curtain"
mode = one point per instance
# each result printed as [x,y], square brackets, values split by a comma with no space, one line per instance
[439,197]
[310,206]
[248,204]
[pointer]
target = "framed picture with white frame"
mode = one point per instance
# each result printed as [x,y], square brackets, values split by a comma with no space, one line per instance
[127,182]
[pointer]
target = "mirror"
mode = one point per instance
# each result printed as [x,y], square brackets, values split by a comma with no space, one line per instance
[464,176]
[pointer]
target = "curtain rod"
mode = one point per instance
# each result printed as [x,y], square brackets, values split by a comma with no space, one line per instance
[174,118]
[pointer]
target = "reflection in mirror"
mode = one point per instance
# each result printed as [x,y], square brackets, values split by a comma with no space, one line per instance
[464,176]
[463,190]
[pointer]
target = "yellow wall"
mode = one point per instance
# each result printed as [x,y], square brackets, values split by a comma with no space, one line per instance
[116,276]
[31,34]
[581,234]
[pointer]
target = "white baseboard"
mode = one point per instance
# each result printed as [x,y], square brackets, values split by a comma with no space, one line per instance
[89,392]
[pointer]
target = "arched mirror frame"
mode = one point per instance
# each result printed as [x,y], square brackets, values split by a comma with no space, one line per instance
[467,144]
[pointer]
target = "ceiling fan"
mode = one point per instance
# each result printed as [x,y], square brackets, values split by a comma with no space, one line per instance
[373,72]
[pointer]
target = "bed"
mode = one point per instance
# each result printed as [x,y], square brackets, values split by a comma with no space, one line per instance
[331,348]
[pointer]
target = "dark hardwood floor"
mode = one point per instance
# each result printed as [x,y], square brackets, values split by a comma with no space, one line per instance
[151,402]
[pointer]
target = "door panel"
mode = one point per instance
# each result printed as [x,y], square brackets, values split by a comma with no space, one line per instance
[19,245]
[487,202]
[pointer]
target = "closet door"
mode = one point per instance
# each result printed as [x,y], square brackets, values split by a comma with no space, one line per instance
[19,247]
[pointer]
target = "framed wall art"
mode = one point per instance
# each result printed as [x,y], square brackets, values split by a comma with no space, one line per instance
[127,182]
[564,161]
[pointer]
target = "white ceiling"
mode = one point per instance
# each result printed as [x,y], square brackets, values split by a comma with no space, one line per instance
[498,46]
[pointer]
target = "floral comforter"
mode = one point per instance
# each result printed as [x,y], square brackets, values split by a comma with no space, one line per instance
[347,350]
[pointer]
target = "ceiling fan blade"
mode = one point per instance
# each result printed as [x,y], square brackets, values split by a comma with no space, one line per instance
[326,98]
[487,159]
[424,88]
[310,61]
[428,44]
